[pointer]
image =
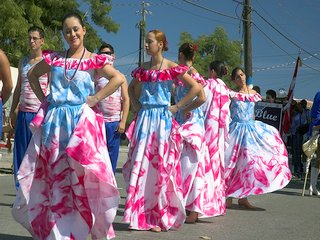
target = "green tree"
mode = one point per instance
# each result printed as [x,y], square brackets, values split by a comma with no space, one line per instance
[16,16]
[216,46]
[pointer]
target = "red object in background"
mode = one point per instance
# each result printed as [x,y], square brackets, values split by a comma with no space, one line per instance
[288,108]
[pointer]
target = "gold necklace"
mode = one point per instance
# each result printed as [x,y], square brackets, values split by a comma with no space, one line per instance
[65,66]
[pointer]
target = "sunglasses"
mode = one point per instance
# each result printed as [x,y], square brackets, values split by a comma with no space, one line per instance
[108,53]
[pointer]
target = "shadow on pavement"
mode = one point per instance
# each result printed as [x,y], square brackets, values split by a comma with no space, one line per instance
[118,226]
[294,185]
[6,171]
[6,205]
[288,193]
[121,206]
[120,213]
[9,195]
[238,208]
[13,237]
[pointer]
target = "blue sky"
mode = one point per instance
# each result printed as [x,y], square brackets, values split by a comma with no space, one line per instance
[294,25]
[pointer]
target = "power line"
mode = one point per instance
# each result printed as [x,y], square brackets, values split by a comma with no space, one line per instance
[314,55]
[142,30]
[269,16]
[240,29]
[192,13]
[291,41]
[298,21]
[128,54]
[278,55]
[214,11]
[266,35]
[134,62]
[151,4]
[238,2]
[295,44]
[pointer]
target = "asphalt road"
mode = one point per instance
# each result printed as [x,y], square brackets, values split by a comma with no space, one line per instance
[286,215]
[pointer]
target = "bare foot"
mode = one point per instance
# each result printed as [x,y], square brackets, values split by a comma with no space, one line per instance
[192,217]
[155,229]
[243,202]
[229,202]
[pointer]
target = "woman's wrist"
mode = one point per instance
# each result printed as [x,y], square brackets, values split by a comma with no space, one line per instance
[178,106]
[96,99]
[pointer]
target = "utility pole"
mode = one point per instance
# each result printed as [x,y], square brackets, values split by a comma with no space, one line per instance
[247,41]
[142,33]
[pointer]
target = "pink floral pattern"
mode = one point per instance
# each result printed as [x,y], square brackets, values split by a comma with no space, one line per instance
[153,171]
[110,106]
[155,75]
[197,174]
[256,159]
[216,115]
[197,183]
[93,188]
[68,189]
[58,59]
[28,100]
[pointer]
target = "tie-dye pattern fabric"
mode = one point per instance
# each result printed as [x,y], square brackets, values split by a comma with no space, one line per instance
[197,173]
[256,159]
[153,172]
[67,187]
[111,105]
[28,100]
[28,107]
[216,121]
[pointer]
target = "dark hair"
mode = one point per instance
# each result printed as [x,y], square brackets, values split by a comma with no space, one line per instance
[106,45]
[37,29]
[272,93]
[75,15]
[257,89]
[234,72]
[161,37]
[219,68]
[303,103]
[188,50]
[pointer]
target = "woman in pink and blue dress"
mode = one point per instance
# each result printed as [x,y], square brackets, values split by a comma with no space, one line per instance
[198,179]
[216,121]
[153,171]
[256,160]
[67,187]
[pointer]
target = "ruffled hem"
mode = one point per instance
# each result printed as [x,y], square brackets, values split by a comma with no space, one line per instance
[191,133]
[97,61]
[199,78]
[246,97]
[259,164]
[168,211]
[196,76]
[145,75]
[98,211]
